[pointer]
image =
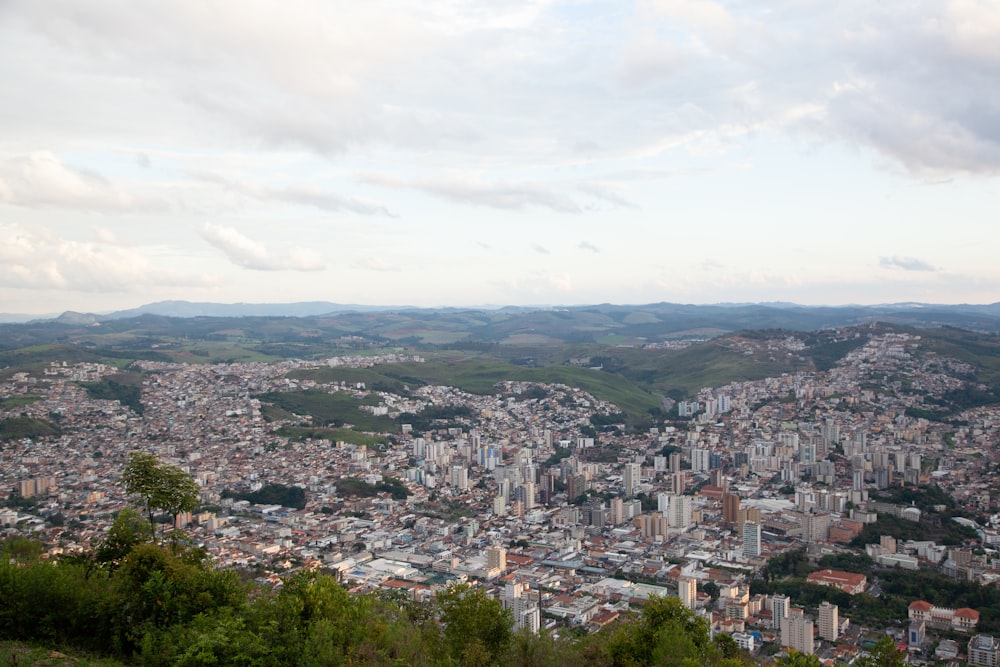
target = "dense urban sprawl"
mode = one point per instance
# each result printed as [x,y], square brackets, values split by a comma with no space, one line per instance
[540,492]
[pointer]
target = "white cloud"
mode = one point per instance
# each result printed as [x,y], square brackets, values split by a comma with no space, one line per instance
[648,59]
[973,29]
[38,260]
[905,263]
[302,195]
[249,254]
[42,180]
[585,245]
[464,190]
[373,264]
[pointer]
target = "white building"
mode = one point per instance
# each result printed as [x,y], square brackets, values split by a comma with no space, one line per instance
[751,539]
[829,621]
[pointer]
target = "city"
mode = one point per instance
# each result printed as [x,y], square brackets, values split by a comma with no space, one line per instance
[541,495]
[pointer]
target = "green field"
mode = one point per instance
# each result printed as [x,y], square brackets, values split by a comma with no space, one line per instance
[332,410]
[373,378]
[12,402]
[708,364]
[299,433]
[15,428]
[979,350]
[479,375]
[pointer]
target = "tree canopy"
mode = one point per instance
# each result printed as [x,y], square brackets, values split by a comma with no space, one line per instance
[160,486]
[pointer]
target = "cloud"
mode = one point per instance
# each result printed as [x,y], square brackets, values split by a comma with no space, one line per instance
[301,195]
[649,59]
[905,263]
[540,249]
[39,260]
[42,180]
[584,245]
[540,284]
[249,254]
[607,192]
[373,264]
[505,196]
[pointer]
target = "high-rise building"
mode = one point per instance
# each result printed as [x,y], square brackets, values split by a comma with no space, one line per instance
[633,474]
[523,603]
[816,526]
[663,503]
[652,524]
[983,651]
[526,494]
[700,459]
[751,514]
[687,591]
[829,621]
[577,486]
[677,482]
[496,558]
[779,611]
[730,507]
[751,540]
[679,514]
[617,511]
[460,477]
[797,632]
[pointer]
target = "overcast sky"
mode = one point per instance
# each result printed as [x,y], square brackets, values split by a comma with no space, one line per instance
[445,152]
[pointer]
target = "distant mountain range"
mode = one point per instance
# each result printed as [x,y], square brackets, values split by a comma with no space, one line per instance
[313,323]
[207,309]
[642,321]
[783,314]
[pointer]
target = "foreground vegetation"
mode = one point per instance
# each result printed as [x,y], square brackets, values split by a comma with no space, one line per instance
[142,602]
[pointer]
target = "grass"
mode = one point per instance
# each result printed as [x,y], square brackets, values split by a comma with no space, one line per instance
[215,352]
[684,372]
[979,350]
[19,653]
[15,428]
[36,358]
[479,375]
[17,401]
[331,434]
[371,377]
[336,409]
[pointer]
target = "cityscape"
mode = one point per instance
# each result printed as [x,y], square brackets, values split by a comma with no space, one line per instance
[478,333]
[544,497]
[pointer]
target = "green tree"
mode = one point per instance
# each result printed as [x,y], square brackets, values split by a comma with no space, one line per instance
[128,530]
[477,628]
[883,654]
[159,485]
[666,633]
[796,659]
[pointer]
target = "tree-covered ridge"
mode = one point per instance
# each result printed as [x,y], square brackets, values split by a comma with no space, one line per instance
[15,428]
[125,388]
[272,494]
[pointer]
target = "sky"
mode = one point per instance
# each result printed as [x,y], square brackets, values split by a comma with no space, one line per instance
[493,152]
